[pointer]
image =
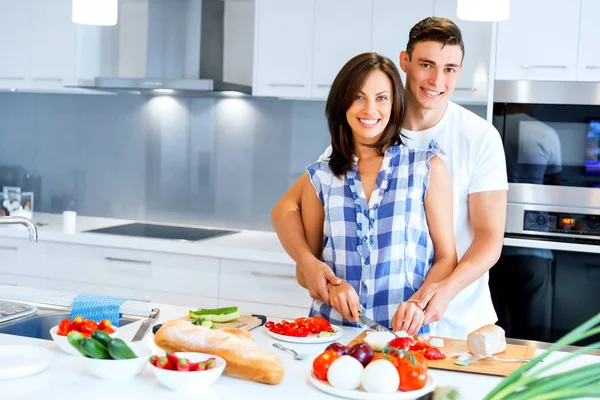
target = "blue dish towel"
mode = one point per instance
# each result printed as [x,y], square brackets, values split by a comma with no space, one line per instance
[97,308]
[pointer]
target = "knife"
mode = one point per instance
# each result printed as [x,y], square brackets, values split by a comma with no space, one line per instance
[145,325]
[374,325]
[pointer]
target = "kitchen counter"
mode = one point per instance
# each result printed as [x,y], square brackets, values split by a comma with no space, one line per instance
[67,378]
[245,245]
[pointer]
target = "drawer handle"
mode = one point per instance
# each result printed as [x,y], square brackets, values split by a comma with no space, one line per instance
[267,274]
[9,248]
[592,66]
[127,260]
[286,84]
[323,85]
[543,66]
[470,89]
[12,78]
[48,79]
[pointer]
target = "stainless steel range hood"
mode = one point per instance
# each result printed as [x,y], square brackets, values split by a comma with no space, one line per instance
[203,49]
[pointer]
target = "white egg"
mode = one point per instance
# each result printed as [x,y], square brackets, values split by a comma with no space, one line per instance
[380,376]
[345,373]
[378,340]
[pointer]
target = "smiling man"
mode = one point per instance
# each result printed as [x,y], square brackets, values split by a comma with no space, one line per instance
[475,158]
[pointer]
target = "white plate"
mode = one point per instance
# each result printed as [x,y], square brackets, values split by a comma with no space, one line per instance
[19,361]
[361,394]
[311,338]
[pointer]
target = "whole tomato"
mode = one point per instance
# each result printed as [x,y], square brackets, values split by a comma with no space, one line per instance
[77,323]
[322,363]
[88,327]
[105,323]
[64,327]
[412,368]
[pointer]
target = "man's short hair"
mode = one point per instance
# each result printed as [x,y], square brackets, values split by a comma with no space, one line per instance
[434,29]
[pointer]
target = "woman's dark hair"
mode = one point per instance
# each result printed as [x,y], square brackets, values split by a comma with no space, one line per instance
[435,29]
[348,82]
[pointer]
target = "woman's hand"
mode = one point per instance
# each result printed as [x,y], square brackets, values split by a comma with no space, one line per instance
[409,317]
[344,300]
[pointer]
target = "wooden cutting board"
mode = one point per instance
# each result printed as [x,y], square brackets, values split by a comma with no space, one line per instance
[244,322]
[486,366]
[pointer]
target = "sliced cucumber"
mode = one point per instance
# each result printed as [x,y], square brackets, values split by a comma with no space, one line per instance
[224,314]
[326,334]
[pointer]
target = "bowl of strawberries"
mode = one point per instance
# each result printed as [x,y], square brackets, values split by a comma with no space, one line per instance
[187,371]
[85,326]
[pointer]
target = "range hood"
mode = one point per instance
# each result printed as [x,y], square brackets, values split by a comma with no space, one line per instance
[200,46]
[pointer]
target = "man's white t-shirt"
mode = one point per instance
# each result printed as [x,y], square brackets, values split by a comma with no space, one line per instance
[475,159]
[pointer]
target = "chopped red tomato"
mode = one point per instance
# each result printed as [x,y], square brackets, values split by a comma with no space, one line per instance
[433,353]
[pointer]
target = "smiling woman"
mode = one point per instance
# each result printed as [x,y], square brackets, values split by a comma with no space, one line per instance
[368,219]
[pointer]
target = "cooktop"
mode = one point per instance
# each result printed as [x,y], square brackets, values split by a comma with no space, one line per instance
[162,231]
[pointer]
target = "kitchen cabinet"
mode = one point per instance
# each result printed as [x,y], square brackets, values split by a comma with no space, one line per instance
[588,61]
[168,278]
[472,86]
[260,286]
[393,20]
[40,46]
[539,41]
[53,38]
[342,30]
[15,42]
[283,47]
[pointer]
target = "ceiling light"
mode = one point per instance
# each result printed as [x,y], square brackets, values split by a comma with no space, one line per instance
[483,10]
[95,12]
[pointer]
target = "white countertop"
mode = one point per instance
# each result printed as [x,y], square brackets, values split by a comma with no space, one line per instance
[245,245]
[66,377]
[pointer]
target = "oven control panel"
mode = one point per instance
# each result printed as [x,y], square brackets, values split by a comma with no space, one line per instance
[556,222]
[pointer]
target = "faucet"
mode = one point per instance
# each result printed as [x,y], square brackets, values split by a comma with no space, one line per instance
[33,233]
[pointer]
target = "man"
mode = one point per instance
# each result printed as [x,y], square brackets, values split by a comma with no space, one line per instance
[475,158]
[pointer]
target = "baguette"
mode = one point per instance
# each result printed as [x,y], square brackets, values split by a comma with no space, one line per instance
[489,339]
[245,359]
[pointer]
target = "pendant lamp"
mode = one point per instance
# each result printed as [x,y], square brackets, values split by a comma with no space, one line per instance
[483,10]
[95,12]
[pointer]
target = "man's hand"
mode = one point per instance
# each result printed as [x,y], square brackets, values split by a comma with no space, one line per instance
[344,300]
[316,276]
[409,318]
[434,299]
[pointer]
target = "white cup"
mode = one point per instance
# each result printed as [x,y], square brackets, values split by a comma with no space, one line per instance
[70,222]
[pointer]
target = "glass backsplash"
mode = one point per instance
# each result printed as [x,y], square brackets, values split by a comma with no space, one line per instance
[207,161]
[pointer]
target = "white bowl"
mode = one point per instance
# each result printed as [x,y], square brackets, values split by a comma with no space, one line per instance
[64,344]
[190,381]
[120,369]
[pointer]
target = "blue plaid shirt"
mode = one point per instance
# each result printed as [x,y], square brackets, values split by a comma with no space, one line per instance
[383,249]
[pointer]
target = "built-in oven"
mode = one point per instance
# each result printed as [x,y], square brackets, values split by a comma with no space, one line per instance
[547,280]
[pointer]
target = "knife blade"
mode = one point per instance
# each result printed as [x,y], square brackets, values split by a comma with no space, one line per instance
[374,325]
[146,325]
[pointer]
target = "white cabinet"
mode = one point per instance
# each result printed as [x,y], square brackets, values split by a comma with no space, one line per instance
[342,30]
[539,41]
[588,62]
[261,283]
[14,39]
[283,47]
[53,38]
[477,37]
[393,20]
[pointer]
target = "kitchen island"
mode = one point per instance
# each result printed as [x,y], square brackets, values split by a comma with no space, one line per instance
[66,378]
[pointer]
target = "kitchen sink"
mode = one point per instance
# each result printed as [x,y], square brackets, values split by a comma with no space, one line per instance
[39,326]
[47,316]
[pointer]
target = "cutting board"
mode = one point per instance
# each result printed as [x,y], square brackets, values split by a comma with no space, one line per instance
[486,366]
[244,322]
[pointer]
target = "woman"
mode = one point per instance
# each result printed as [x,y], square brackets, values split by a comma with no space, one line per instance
[380,208]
